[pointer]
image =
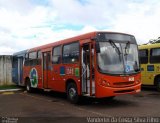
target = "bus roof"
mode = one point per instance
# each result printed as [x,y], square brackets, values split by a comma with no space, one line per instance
[76,38]
[69,40]
[149,46]
[20,54]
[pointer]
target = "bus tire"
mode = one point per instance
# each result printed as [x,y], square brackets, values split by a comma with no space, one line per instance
[158,84]
[28,87]
[72,93]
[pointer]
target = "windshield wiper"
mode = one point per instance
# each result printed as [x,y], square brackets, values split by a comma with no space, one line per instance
[136,68]
[126,48]
[115,46]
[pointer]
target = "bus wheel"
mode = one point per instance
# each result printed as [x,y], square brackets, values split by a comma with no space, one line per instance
[72,93]
[158,84]
[28,87]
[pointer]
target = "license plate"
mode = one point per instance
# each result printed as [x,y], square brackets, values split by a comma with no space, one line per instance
[131,78]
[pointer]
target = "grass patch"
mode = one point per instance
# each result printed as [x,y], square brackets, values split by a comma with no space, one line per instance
[4,87]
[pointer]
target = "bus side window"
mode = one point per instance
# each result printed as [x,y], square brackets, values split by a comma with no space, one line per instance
[26,62]
[56,59]
[143,56]
[32,58]
[155,55]
[39,57]
[71,53]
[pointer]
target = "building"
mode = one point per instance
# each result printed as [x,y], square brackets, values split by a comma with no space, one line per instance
[5,70]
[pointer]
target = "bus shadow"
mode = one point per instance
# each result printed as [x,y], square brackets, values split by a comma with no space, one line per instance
[149,88]
[85,101]
[148,92]
[109,103]
[52,95]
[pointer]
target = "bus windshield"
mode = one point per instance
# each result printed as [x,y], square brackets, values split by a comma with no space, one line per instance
[118,58]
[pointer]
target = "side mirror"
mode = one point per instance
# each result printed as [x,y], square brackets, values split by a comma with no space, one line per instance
[97,47]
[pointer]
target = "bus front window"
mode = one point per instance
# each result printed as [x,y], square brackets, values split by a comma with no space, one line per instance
[130,58]
[118,58]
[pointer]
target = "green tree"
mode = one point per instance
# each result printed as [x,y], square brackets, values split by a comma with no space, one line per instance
[153,41]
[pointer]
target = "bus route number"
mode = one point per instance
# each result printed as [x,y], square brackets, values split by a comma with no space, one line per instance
[69,71]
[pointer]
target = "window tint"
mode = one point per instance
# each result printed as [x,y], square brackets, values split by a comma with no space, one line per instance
[56,59]
[143,56]
[71,53]
[39,58]
[26,56]
[155,55]
[26,62]
[155,52]
[47,61]
[39,54]
[33,55]
[33,58]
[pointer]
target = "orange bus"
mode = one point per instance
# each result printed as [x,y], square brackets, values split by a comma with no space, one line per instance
[96,64]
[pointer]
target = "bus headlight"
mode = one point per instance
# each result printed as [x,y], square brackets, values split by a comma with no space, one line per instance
[105,83]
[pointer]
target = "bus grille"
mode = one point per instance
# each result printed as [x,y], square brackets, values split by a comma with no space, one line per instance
[123,83]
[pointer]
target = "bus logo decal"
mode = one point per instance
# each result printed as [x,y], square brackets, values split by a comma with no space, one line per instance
[34,77]
[62,70]
[77,72]
[127,68]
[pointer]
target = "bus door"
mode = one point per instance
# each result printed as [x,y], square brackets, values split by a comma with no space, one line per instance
[46,69]
[88,83]
[147,69]
[20,70]
[151,70]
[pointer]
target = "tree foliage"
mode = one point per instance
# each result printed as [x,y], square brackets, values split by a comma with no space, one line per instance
[153,41]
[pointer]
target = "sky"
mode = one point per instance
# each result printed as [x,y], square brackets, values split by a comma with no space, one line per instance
[28,23]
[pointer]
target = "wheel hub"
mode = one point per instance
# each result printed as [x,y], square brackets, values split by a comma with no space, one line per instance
[72,92]
[28,87]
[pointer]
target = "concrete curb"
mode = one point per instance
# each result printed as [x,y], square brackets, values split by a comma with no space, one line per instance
[10,90]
